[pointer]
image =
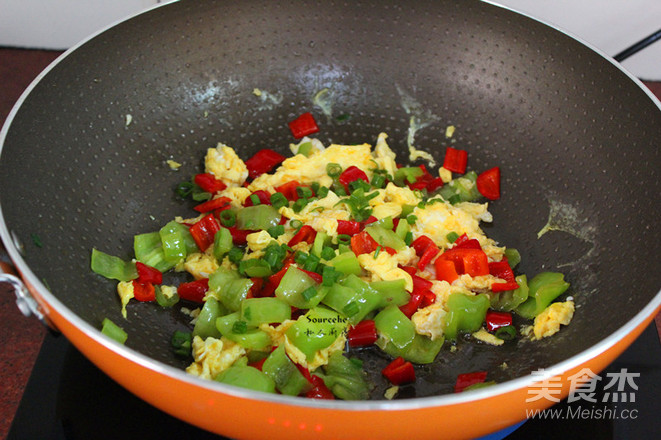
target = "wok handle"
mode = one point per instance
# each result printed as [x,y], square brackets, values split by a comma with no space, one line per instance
[24,300]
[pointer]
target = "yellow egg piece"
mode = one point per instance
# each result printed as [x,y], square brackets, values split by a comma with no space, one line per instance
[548,322]
[212,356]
[226,165]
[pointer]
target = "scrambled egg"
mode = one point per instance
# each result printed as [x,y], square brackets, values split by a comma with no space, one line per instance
[212,356]
[224,163]
[384,156]
[437,220]
[384,268]
[548,322]
[486,337]
[257,241]
[429,321]
[321,214]
[201,265]
[125,292]
[236,194]
[313,169]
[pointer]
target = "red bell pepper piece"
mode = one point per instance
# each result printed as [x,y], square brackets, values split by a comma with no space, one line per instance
[263,161]
[488,183]
[496,320]
[363,243]
[273,281]
[306,234]
[421,244]
[148,274]
[428,298]
[319,389]
[422,180]
[303,126]
[501,269]
[435,184]
[259,364]
[429,255]
[209,183]
[362,334]
[419,284]
[348,227]
[413,305]
[445,270]
[256,288]
[204,231]
[314,275]
[352,174]
[399,371]
[194,291]
[144,292]
[289,190]
[455,160]
[463,242]
[263,196]
[218,204]
[239,236]
[468,379]
[471,261]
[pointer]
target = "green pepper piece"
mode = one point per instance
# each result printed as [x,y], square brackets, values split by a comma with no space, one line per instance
[543,289]
[256,311]
[461,189]
[365,298]
[257,217]
[392,292]
[421,351]
[321,240]
[345,377]
[164,300]
[112,267]
[246,377]
[222,243]
[205,325]
[393,324]
[286,376]
[346,262]
[402,229]
[465,313]
[406,175]
[386,237]
[510,299]
[385,223]
[250,338]
[113,331]
[316,330]
[148,249]
[513,257]
[229,288]
[292,287]
[177,242]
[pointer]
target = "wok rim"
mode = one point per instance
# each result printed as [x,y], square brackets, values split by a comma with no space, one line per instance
[51,301]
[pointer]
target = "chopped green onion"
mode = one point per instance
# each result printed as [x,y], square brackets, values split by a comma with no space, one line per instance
[36,240]
[409,238]
[377,252]
[296,224]
[315,187]
[359,184]
[454,199]
[309,293]
[274,255]
[378,181]
[327,253]
[113,331]
[322,192]
[304,192]
[329,276]
[311,263]
[301,258]
[333,170]
[452,236]
[300,204]
[411,219]
[278,200]
[254,198]
[344,239]
[506,333]
[228,218]
[235,255]
[182,343]
[184,189]
[276,231]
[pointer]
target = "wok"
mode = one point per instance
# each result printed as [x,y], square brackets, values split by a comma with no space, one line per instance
[83,158]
